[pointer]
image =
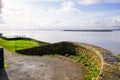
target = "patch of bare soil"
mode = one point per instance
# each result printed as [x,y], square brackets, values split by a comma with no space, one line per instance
[21,67]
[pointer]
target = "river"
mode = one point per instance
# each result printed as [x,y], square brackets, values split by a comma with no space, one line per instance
[108,40]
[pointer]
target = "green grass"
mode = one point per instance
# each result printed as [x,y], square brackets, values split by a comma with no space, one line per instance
[91,71]
[119,55]
[5,65]
[13,45]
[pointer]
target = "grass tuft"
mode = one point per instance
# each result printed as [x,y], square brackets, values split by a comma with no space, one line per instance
[5,65]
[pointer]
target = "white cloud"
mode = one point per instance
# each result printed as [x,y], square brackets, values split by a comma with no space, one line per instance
[15,14]
[115,21]
[36,0]
[67,7]
[90,2]
[67,15]
[105,23]
[43,0]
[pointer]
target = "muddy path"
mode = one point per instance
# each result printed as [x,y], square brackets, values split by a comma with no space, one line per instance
[21,67]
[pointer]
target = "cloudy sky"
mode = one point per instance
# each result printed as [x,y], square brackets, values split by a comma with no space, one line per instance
[60,14]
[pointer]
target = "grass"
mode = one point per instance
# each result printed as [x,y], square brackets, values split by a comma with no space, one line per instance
[91,70]
[5,65]
[13,45]
[119,55]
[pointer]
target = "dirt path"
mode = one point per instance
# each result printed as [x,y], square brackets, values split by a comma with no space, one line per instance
[41,68]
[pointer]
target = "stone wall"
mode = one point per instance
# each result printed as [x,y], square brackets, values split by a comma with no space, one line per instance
[108,63]
[105,60]
[15,38]
[1,58]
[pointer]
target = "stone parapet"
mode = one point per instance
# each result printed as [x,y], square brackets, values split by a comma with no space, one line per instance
[108,63]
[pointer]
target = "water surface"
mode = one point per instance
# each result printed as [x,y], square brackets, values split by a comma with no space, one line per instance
[108,40]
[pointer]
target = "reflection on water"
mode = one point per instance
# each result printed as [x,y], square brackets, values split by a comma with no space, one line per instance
[108,40]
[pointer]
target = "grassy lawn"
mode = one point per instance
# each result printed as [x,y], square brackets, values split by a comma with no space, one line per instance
[13,45]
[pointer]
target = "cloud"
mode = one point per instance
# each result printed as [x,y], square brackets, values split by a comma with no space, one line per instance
[115,21]
[67,7]
[90,2]
[66,15]
[15,14]
[39,0]
[105,23]
[43,0]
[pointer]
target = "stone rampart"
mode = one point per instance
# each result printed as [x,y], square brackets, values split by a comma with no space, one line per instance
[105,60]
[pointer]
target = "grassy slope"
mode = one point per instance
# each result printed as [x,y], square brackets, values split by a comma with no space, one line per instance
[17,44]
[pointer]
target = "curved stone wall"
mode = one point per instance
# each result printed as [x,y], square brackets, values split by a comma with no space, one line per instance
[108,63]
[105,60]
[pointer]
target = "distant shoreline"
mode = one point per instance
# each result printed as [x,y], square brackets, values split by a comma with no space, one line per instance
[93,30]
[90,30]
[81,30]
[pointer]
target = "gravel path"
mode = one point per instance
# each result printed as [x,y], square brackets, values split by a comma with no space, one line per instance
[21,67]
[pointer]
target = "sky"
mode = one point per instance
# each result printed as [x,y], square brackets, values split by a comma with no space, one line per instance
[60,14]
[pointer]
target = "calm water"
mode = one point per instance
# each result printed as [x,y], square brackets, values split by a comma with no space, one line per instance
[108,40]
